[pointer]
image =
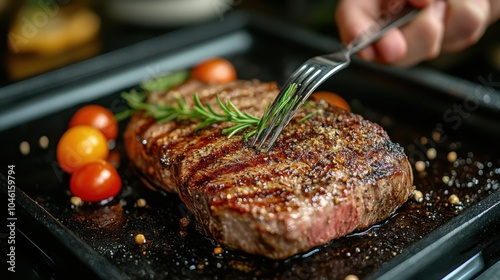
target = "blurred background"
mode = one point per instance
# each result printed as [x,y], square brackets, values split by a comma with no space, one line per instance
[42,35]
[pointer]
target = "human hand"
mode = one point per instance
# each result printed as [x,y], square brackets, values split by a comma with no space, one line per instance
[449,25]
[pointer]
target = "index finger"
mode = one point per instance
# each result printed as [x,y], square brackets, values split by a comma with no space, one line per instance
[356,16]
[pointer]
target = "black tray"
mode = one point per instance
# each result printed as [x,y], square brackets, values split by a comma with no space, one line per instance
[431,239]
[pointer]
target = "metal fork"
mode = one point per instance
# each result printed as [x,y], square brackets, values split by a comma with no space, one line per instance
[315,71]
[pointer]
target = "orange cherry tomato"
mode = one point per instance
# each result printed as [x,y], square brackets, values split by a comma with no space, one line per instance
[215,70]
[333,99]
[95,181]
[80,145]
[98,117]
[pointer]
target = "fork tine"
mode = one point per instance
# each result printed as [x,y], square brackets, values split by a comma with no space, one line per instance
[263,133]
[303,92]
[304,74]
[315,71]
[278,111]
[261,136]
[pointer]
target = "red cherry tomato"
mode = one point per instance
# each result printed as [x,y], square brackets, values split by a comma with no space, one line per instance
[333,99]
[95,181]
[80,145]
[98,117]
[215,70]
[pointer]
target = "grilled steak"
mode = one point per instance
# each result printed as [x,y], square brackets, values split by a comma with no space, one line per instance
[326,177]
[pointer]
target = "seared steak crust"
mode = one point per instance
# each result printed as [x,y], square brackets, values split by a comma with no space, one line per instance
[324,178]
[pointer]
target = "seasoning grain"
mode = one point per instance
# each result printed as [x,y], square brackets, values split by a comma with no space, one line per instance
[420,166]
[217,250]
[76,201]
[141,202]
[431,153]
[436,136]
[453,199]
[24,148]
[43,142]
[140,239]
[446,179]
[452,156]
[418,196]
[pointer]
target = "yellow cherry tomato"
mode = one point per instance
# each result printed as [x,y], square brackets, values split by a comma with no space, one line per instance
[80,145]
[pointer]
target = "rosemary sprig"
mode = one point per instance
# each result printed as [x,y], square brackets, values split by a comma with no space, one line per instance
[136,100]
[179,110]
[285,103]
[230,114]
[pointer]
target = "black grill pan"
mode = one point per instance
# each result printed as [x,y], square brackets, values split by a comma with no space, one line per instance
[431,239]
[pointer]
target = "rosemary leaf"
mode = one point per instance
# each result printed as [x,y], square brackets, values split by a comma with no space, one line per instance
[250,134]
[179,110]
[284,103]
[164,83]
[124,114]
[234,129]
[305,118]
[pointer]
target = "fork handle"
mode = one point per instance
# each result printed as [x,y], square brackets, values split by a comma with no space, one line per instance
[385,23]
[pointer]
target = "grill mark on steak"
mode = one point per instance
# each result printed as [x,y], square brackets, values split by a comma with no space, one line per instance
[211,157]
[324,178]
